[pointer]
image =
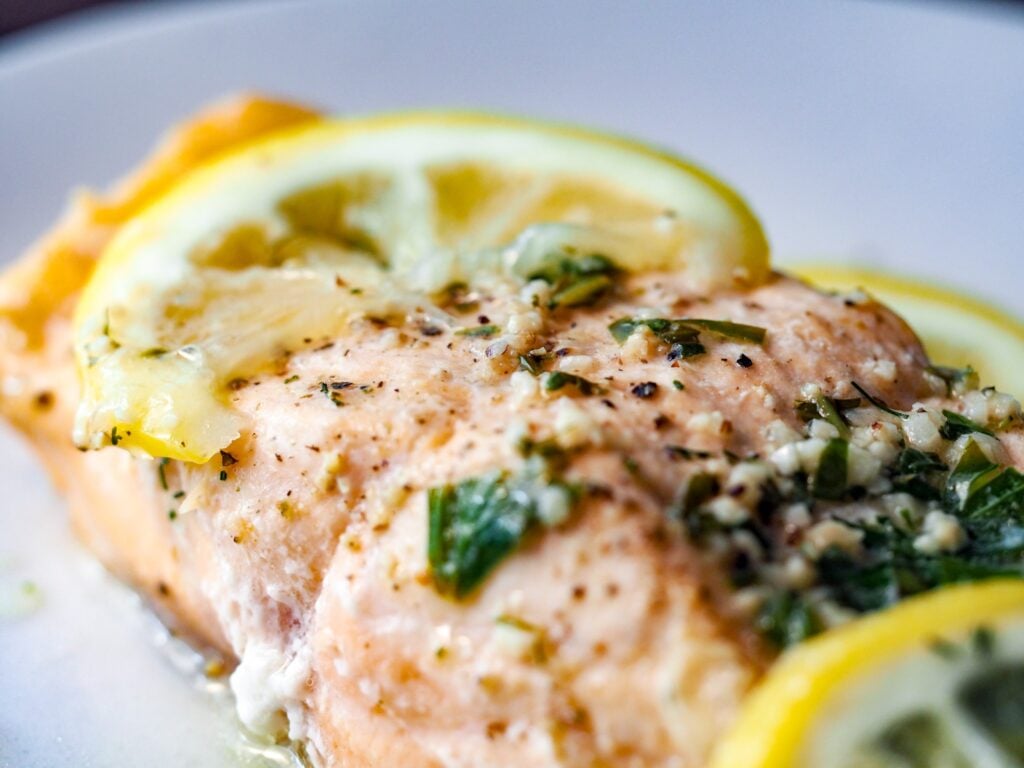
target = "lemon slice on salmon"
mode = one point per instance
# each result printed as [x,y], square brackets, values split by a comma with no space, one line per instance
[956,330]
[291,237]
[935,682]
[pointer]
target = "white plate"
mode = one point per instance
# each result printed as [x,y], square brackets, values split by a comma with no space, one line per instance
[871,132]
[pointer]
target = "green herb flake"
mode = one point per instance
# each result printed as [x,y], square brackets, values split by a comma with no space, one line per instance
[957,380]
[161,473]
[223,475]
[787,619]
[829,410]
[479,331]
[678,384]
[683,335]
[697,489]
[957,425]
[729,330]
[915,473]
[530,363]
[292,378]
[830,477]
[114,437]
[972,471]
[914,462]
[559,379]
[576,282]
[477,523]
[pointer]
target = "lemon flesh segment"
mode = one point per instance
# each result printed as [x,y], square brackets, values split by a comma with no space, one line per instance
[935,681]
[292,237]
[956,330]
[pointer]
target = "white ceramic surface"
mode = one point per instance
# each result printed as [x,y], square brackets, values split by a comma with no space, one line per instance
[877,132]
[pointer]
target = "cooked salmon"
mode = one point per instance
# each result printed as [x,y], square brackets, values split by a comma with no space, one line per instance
[610,637]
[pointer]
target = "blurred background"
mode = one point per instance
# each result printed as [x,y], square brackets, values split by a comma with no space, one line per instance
[20,14]
[880,132]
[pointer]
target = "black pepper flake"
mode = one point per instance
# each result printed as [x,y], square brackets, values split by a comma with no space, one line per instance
[609,403]
[431,330]
[562,352]
[483,319]
[342,385]
[645,390]
[226,459]
[744,362]
[44,400]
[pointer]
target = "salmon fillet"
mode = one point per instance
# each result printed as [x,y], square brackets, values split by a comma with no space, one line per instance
[300,555]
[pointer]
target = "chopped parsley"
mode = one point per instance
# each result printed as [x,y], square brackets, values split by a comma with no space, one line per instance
[479,331]
[915,474]
[829,409]
[677,384]
[530,363]
[683,335]
[972,471]
[576,282]
[967,522]
[830,477]
[786,619]
[956,379]
[161,473]
[559,379]
[477,523]
[891,567]
[957,425]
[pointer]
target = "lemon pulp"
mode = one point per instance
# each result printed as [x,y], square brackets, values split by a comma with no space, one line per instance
[294,236]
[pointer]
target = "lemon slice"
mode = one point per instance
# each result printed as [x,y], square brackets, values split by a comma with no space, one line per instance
[292,237]
[957,330]
[935,682]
